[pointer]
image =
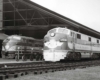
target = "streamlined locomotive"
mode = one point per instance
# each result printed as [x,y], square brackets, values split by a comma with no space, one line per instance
[26,47]
[65,44]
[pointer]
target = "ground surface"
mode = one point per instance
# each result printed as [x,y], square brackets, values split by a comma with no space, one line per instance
[90,73]
[3,61]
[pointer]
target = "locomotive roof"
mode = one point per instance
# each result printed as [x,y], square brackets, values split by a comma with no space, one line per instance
[22,37]
[75,32]
[25,37]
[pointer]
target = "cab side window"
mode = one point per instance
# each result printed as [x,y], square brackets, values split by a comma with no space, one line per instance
[89,39]
[97,41]
[78,36]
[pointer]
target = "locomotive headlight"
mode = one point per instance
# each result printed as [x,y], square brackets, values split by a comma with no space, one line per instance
[52,34]
[7,46]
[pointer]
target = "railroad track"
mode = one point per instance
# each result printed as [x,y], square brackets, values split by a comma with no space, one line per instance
[14,71]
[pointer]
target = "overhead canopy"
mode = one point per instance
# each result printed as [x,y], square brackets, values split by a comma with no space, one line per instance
[30,19]
[3,36]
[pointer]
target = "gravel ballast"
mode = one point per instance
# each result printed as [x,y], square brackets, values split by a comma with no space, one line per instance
[90,73]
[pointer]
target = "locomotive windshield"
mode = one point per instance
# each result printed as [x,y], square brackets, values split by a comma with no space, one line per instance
[6,40]
[11,40]
[63,30]
[60,30]
[52,31]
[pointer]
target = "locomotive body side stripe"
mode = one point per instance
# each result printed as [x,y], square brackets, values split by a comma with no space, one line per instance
[81,47]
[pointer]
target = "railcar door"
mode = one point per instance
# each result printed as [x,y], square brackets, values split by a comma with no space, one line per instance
[73,40]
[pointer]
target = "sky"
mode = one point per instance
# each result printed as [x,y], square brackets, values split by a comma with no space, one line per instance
[86,12]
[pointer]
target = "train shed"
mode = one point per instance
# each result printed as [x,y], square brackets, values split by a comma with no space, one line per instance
[24,17]
[27,18]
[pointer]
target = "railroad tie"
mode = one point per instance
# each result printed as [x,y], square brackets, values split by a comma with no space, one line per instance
[20,74]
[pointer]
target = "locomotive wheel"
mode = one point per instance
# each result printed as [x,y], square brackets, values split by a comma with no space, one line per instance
[95,56]
[70,56]
[37,57]
[16,57]
[24,58]
[79,56]
[76,56]
[3,56]
[31,58]
[41,57]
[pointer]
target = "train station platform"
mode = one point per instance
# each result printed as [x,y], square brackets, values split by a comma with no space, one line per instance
[12,61]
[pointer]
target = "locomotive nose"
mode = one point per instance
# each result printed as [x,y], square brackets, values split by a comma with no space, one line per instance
[53,44]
